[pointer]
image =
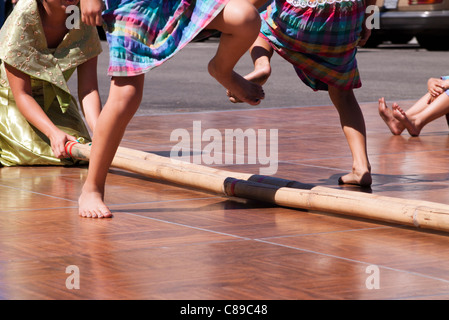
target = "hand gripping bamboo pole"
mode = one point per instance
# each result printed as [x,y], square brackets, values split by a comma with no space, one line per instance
[282,192]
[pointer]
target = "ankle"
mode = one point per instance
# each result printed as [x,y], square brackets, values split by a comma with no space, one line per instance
[263,66]
[89,188]
[217,70]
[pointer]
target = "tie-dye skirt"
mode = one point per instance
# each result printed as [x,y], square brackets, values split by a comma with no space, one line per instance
[142,34]
[319,38]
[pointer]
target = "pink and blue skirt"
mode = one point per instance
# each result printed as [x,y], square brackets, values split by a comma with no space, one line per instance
[143,34]
[319,38]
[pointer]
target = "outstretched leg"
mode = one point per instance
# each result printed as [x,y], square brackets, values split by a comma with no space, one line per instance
[396,127]
[416,122]
[353,124]
[401,116]
[124,99]
[239,23]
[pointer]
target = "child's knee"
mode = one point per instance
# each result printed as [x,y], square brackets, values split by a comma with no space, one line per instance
[244,15]
[128,90]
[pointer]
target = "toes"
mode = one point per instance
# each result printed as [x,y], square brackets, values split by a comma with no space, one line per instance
[104,213]
[96,214]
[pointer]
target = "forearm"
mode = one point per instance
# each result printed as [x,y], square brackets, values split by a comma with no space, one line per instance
[35,115]
[20,84]
[91,108]
[88,95]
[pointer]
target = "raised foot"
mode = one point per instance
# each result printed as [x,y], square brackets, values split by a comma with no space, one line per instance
[259,76]
[244,90]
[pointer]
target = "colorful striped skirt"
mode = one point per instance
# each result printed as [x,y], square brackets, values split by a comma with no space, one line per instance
[319,38]
[142,34]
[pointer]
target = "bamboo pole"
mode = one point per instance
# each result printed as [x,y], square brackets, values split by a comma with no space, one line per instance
[282,192]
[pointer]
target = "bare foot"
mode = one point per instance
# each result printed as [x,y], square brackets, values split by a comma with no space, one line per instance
[401,116]
[260,75]
[91,205]
[395,126]
[356,178]
[241,88]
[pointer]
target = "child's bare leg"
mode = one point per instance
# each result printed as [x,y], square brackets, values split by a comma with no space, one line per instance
[416,122]
[419,105]
[261,53]
[396,127]
[353,124]
[239,23]
[123,101]
[400,115]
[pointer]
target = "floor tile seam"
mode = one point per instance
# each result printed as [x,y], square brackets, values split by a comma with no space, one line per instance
[248,109]
[166,201]
[409,152]
[59,175]
[261,240]
[38,193]
[189,226]
[427,296]
[254,159]
[357,261]
[304,161]
[325,232]
[38,209]
[236,110]
[314,166]
[339,169]
[291,247]
[83,255]
[116,204]
[200,151]
[300,163]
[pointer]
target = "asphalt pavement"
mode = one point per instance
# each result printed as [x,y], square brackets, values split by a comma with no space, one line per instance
[182,84]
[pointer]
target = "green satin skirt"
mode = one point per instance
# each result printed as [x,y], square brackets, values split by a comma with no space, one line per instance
[22,144]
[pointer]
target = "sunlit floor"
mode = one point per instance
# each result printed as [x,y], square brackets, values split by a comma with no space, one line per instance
[170,242]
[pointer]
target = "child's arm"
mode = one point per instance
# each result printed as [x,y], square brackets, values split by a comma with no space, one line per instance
[91,12]
[20,84]
[88,95]
[366,31]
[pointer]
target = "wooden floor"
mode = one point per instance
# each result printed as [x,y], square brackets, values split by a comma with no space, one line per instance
[170,242]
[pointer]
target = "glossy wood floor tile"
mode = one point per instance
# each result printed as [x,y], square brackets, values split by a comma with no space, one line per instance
[170,242]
